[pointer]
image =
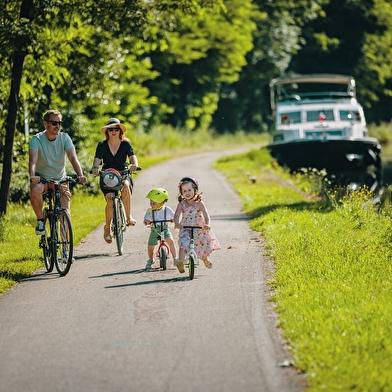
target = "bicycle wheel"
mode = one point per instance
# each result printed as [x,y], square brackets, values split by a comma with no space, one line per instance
[62,241]
[191,266]
[163,257]
[118,215]
[45,244]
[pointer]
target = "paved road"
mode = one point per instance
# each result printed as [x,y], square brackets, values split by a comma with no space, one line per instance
[109,325]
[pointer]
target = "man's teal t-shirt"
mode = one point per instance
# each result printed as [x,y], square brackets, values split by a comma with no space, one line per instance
[51,154]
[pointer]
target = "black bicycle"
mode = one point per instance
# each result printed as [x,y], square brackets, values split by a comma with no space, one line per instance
[118,224]
[57,242]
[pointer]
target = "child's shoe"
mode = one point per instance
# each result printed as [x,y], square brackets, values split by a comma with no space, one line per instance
[149,264]
[180,265]
[207,263]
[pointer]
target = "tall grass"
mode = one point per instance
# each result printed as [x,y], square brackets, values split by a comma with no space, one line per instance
[332,282]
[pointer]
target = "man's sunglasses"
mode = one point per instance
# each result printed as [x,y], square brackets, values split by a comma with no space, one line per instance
[113,129]
[54,123]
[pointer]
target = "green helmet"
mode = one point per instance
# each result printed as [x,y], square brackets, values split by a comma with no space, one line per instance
[159,195]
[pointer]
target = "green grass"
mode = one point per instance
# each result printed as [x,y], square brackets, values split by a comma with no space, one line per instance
[19,251]
[332,283]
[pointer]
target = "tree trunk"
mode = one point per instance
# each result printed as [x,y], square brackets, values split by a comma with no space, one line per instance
[13,102]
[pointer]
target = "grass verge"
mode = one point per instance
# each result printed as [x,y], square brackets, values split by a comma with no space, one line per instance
[332,279]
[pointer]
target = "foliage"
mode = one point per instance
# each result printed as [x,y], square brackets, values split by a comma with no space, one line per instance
[203,52]
[188,64]
[245,104]
[383,132]
[363,50]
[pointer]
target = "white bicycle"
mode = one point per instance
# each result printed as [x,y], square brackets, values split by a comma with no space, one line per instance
[191,259]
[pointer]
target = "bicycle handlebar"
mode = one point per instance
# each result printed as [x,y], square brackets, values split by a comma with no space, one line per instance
[122,172]
[60,181]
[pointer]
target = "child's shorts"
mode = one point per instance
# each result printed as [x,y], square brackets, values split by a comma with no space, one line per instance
[153,239]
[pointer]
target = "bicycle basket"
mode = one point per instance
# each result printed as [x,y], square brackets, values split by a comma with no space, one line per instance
[111,179]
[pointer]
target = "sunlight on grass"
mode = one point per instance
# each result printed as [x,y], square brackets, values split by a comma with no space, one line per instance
[332,282]
[20,254]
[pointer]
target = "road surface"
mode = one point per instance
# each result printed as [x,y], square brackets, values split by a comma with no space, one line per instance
[109,325]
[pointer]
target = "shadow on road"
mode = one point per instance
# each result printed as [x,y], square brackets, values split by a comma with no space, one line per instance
[173,280]
[42,276]
[92,255]
[231,217]
[138,271]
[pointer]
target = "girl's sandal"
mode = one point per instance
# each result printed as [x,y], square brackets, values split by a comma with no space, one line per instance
[108,239]
[207,263]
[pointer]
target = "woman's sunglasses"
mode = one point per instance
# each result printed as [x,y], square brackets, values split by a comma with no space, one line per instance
[113,129]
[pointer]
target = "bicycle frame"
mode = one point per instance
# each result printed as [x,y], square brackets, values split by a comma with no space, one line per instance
[191,258]
[57,242]
[118,224]
[163,251]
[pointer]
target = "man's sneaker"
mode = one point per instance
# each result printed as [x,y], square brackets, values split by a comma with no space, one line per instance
[180,266]
[66,255]
[149,264]
[40,228]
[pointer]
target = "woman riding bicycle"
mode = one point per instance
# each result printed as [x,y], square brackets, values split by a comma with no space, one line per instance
[113,153]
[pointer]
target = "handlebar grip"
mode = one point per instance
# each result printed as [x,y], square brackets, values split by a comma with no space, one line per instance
[100,171]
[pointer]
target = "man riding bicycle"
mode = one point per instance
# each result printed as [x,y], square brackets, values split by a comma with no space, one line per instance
[47,156]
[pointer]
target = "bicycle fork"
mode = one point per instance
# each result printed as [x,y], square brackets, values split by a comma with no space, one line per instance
[191,252]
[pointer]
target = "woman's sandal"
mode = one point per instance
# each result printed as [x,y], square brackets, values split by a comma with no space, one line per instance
[106,234]
[131,221]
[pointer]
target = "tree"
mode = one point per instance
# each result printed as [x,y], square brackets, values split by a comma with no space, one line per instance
[245,104]
[353,37]
[21,38]
[204,51]
[55,60]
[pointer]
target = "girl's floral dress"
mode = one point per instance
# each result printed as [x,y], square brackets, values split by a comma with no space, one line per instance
[205,240]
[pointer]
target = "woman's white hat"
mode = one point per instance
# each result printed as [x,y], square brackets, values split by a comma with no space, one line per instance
[113,123]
